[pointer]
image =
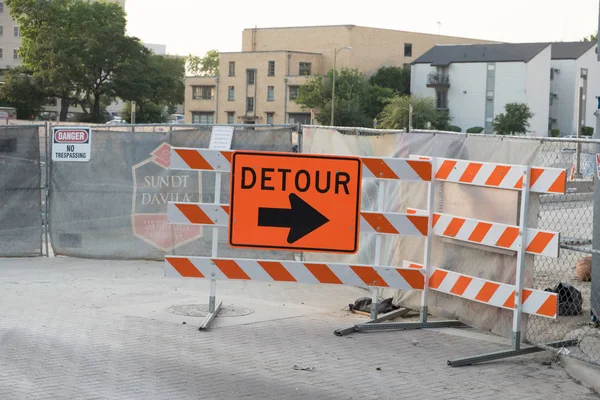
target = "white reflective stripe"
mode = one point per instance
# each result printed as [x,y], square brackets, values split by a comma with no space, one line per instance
[513,177]
[254,270]
[466,229]
[448,282]
[484,174]
[207,268]
[175,216]
[299,271]
[501,295]
[403,224]
[402,169]
[216,159]
[534,302]
[346,274]
[170,272]
[473,289]
[176,161]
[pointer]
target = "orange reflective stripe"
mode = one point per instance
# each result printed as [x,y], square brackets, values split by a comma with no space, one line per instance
[420,223]
[277,271]
[508,237]
[519,183]
[539,242]
[498,175]
[445,169]
[226,209]
[231,269]
[549,307]
[470,172]
[535,175]
[510,302]
[323,273]
[487,291]
[436,217]
[422,169]
[379,168]
[185,267]
[228,155]
[559,184]
[525,295]
[478,234]
[194,159]
[461,285]
[369,276]
[414,278]
[454,226]
[379,222]
[437,278]
[194,214]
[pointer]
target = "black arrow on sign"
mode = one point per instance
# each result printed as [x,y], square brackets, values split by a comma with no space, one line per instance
[301,218]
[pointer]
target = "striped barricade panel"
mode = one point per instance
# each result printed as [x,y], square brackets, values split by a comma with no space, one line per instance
[294,271]
[535,302]
[396,168]
[200,159]
[501,176]
[371,222]
[198,214]
[543,243]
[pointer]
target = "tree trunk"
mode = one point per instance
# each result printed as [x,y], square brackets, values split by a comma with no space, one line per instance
[64,108]
[96,117]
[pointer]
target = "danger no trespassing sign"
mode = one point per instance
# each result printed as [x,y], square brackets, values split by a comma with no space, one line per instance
[71,144]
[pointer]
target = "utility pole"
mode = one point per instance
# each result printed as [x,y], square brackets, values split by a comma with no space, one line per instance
[595,288]
[335,52]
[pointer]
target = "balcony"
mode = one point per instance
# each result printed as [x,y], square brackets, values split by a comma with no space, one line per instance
[438,80]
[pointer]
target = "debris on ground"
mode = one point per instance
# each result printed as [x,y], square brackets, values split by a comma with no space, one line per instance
[364,304]
[378,368]
[415,342]
[304,368]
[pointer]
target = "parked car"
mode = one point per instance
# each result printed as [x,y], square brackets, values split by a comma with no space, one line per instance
[176,119]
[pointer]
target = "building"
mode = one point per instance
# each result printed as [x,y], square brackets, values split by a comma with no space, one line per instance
[475,82]
[10,37]
[574,67]
[259,84]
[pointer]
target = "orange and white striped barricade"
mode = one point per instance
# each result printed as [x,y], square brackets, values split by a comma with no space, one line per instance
[518,238]
[217,216]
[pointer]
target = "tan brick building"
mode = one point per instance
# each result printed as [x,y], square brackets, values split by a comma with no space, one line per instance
[259,84]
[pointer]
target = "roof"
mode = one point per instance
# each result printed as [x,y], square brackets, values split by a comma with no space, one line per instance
[570,50]
[270,51]
[473,53]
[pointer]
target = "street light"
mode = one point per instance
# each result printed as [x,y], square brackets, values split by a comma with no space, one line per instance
[336,51]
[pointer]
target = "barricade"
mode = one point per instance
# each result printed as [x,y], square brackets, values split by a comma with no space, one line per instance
[217,215]
[424,223]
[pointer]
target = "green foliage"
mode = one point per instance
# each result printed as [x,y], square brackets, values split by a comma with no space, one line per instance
[476,129]
[587,130]
[22,92]
[375,100]
[514,120]
[204,66]
[555,132]
[592,38]
[395,78]
[148,113]
[454,128]
[395,115]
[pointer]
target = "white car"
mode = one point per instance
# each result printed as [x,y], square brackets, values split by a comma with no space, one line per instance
[176,119]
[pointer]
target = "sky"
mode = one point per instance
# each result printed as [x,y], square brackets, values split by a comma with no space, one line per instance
[195,26]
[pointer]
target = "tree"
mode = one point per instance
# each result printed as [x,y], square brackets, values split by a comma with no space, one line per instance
[22,92]
[592,38]
[204,66]
[514,120]
[395,115]
[351,95]
[149,113]
[395,78]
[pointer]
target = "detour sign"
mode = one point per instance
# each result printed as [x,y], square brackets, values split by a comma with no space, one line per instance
[295,202]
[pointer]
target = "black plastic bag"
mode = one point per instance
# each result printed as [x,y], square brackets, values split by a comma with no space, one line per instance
[570,301]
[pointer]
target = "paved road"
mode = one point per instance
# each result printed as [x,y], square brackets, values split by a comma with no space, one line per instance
[75,329]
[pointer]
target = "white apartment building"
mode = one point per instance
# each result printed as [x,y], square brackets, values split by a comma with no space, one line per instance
[475,82]
[574,80]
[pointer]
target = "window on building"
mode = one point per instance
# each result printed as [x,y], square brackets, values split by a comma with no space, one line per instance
[203,118]
[1,30]
[231,93]
[17,33]
[489,95]
[271,93]
[441,99]
[1,6]
[270,118]
[305,68]
[203,92]
[491,67]
[231,68]
[407,49]
[16,54]
[250,104]
[230,118]
[293,92]
[250,74]
[1,53]
[551,74]
[271,68]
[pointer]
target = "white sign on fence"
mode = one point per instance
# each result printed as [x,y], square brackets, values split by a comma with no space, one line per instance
[221,137]
[71,144]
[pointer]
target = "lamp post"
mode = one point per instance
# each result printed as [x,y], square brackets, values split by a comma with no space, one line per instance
[336,51]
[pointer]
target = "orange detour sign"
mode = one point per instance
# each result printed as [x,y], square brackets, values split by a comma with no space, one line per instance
[288,201]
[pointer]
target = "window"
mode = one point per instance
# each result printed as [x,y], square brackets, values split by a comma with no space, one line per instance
[491,67]
[1,53]
[407,49]
[231,68]
[270,118]
[231,93]
[551,74]
[249,104]
[490,95]
[204,118]
[16,54]
[441,99]
[305,68]
[250,75]
[293,92]
[1,30]
[271,68]
[1,6]
[17,33]
[203,92]
[271,93]
[230,118]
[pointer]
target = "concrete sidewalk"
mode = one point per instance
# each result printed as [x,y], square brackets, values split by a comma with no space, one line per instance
[81,329]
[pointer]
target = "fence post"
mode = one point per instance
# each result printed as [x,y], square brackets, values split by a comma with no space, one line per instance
[595,295]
